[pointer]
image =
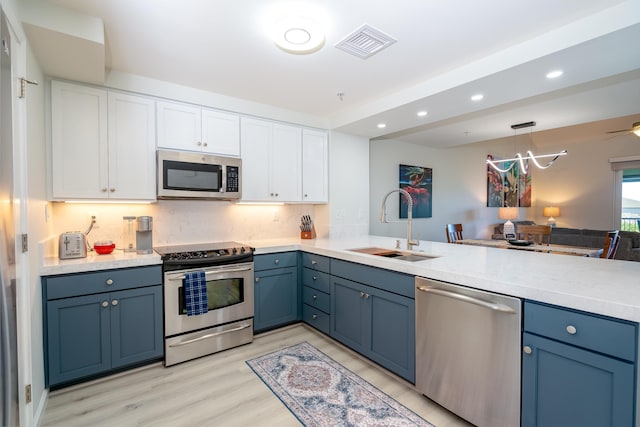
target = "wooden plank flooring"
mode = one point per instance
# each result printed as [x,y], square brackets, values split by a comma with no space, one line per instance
[217,390]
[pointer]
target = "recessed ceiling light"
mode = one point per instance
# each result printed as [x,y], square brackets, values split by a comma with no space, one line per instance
[477,97]
[298,35]
[422,113]
[382,125]
[554,74]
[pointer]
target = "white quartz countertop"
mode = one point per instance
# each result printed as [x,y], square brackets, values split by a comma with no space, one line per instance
[602,286]
[93,262]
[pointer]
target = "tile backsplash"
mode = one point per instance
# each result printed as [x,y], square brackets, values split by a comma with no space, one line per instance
[182,221]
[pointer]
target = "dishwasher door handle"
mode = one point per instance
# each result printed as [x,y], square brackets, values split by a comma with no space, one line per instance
[486,304]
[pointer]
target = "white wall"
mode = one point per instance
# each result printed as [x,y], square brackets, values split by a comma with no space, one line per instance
[581,184]
[348,185]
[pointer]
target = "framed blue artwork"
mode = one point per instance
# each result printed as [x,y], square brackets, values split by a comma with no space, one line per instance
[418,182]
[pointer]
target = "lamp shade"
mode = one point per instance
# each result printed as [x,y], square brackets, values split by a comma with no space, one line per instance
[551,211]
[508,213]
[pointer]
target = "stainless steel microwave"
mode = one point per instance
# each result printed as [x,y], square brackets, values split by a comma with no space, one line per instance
[190,175]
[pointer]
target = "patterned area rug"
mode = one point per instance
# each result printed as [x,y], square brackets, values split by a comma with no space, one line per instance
[321,392]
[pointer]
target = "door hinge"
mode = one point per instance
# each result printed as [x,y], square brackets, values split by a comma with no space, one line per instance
[25,243]
[23,84]
[27,393]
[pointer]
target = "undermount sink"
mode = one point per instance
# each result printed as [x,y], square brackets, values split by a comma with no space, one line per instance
[395,254]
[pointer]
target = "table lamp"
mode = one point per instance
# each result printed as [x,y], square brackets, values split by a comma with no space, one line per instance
[551,212]
[509,229]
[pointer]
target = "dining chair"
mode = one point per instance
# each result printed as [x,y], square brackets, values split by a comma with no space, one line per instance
[539,234]
[611,244]
[454,232]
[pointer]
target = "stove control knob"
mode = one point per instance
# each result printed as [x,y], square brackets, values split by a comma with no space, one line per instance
[242,250]
[234,251]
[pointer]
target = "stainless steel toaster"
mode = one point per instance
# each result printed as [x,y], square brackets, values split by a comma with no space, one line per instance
[72,244]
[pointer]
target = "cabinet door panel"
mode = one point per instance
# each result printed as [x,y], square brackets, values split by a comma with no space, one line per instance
[285,163]
[78,337]
[255,147]
[276,297]
[79,147]
[132,138]
[315,167]
[136,325]
[220,133]
[393,332]
[567,386]
[349,314]
[179,126]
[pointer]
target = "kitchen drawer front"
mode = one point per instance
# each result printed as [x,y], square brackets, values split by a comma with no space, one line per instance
[78,284]
[277,260]
[316,279]
[316,318]
[317,299]
[398,283]
[316,262]
[602,334]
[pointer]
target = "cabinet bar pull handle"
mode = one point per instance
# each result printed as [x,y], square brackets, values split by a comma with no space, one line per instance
[204,337]
[572,329]
[486,304]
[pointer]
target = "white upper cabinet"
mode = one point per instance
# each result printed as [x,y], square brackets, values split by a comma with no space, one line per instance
[132,149]
[187,127]
[315,167]
[102,144]
[271,161]
[79,150]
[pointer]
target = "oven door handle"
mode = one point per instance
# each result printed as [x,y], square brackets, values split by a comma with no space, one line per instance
[207,273]
[205,337]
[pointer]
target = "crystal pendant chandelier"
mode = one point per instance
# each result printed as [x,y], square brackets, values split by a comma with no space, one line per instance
[520,159]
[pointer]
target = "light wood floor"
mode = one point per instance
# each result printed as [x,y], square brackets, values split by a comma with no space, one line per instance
[217,390]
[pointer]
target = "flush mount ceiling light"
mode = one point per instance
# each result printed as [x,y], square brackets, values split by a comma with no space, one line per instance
[523,161]
[298,35]
[477,97]
[422,113]
[554,74]
[382,125]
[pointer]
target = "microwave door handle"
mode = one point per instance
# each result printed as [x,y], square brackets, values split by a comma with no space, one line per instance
[223,171]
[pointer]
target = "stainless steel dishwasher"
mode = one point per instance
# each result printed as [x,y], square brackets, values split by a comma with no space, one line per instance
[468,352]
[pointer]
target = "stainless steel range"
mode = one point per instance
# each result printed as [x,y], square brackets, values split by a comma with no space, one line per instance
[228,321]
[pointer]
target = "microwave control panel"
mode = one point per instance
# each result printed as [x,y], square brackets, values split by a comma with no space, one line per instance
[232,179]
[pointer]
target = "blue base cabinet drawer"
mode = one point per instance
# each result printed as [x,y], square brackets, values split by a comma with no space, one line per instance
[578,369]
[604,335]
[316,299]
[316,279]
[316,262]
[277,260]
[316,318]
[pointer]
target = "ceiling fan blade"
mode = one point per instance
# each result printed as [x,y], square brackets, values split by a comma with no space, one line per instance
[621,130]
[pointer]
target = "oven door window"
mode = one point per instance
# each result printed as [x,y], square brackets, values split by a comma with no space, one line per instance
[191,176]
[220,293]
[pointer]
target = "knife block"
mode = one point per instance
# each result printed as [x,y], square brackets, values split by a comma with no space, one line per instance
[309,234]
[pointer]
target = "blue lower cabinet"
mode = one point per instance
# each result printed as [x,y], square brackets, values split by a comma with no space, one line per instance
[276,298]
[578,368]
[568,386]
[92,335]
[376,323]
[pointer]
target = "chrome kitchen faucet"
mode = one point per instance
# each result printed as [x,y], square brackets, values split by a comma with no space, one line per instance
[383,216]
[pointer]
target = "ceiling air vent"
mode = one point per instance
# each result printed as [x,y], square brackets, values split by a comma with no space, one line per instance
[365,41]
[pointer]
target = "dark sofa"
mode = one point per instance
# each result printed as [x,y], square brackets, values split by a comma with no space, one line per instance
[628,248]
